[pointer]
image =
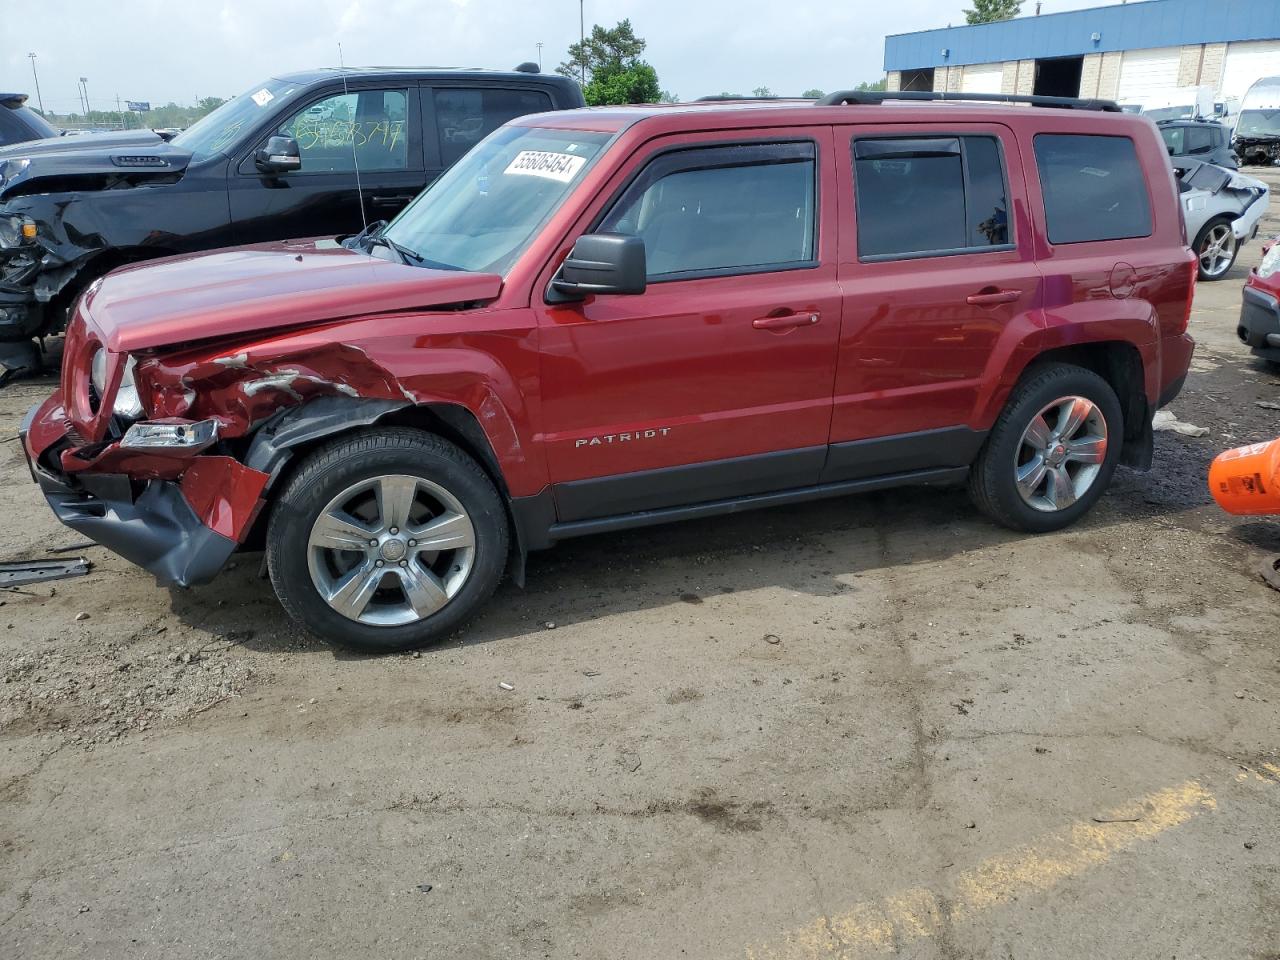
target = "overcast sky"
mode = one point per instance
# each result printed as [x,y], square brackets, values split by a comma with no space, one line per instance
[161,50]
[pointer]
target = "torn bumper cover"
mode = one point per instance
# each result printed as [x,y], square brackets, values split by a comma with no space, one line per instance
[183,531]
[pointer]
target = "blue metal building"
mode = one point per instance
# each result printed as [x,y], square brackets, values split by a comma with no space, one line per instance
[1131,51]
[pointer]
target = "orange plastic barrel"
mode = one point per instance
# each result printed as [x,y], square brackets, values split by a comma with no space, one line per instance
[1246,480]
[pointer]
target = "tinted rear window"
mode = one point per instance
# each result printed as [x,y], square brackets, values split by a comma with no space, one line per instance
[928,196]
[1093,188]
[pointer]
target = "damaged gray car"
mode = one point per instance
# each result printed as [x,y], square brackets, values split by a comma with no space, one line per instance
[1222,209]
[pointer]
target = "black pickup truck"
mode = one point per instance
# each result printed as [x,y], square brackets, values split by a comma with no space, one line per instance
[282,160]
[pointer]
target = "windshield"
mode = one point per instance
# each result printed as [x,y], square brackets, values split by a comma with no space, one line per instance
[483,212]
[218,131]
[1258,123]
[1170,113]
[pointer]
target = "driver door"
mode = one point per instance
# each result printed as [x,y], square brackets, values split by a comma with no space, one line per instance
[375,130]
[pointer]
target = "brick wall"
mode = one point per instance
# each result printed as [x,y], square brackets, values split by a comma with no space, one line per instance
[893,80]
[1026,78]
[1089,74]
[1109,76]
[1009,78]
[1215,57]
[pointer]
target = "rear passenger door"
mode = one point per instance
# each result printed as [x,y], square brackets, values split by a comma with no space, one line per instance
[936,264]
[457,117]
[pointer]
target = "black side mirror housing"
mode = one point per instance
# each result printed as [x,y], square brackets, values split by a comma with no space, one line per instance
[601,263]
[280,155]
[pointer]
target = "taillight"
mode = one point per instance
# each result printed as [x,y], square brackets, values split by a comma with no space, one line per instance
[1191,291]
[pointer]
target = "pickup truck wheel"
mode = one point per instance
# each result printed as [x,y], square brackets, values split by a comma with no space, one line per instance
[1216,246]
[1051,453]
[386,540]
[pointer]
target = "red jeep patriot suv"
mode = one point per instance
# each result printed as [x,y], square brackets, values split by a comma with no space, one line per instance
[604,318]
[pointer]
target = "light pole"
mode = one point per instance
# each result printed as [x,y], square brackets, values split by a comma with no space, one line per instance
[36,77]
[84,84]
[539,46]
[582,38]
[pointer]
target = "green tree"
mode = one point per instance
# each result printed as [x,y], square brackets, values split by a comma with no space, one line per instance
[991,11]
[635,84]
[616,48]
[871,85]
[668,97]
[610,61]
[762,92]
[814,94]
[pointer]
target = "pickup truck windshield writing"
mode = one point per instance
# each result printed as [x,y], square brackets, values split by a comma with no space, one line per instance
[217,132]
[482,213]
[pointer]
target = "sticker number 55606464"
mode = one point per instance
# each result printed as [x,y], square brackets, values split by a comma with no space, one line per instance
[542,163]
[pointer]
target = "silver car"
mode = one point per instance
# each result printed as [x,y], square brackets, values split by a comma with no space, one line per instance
[1222,209]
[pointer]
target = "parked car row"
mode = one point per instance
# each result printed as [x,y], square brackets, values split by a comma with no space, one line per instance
[596,320]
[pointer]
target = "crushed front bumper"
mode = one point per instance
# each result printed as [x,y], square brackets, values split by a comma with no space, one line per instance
[183,531]
[1245,227]
[1259,327]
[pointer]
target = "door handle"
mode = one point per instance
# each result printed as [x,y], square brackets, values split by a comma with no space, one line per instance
[786,321]
[991,298]
[389,201]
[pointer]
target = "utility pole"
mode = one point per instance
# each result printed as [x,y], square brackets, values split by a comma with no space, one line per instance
[36,77]
[539,46]
[582,37]
[84,86]
[124,124]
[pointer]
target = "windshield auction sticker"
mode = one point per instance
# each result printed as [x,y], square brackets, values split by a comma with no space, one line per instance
[263,97]
[541,163]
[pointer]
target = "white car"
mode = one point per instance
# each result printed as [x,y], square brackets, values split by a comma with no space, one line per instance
[1222,210]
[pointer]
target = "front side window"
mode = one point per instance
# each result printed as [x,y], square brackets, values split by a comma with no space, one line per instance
[368,127]
[729,209]
[483,212]
[922,196]
[1174,140]
[1093,188]
[465,116]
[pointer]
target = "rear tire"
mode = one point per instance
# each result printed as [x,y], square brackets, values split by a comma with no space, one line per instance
[1217,248]
[386,540]
[1051,453]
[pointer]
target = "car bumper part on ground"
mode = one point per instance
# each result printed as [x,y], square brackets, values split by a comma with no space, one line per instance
[182,531]
[1259,327]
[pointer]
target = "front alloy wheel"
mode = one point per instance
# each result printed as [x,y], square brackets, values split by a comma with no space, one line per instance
[387,539]
[391,550]
[1061,453]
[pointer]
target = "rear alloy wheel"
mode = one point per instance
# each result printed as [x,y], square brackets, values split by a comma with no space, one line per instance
[1217,248]
[386,540]
[1052,451]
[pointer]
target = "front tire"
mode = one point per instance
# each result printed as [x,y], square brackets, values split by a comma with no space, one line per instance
[1217,248]
[386,540]
[1052,451]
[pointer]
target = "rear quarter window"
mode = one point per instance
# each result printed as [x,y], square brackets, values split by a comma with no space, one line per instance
[1093,188]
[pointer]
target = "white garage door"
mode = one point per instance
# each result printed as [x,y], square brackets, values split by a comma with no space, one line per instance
[1147,74]
[1247,62]
[982,78]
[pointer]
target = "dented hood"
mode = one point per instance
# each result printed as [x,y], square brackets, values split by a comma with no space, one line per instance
[85,141]
[263,287]
[90,166]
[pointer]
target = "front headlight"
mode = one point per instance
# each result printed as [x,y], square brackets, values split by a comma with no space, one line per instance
[10,231]
[1271,262]
[128,404]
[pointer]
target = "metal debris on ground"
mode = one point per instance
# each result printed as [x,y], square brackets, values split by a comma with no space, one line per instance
[1165,420]
[1270,571]
[506,686]
[17,574]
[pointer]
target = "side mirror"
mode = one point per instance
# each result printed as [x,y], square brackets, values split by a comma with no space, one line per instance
[280,155]
[602,263]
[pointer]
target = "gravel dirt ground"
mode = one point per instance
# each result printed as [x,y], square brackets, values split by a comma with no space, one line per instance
[877,726]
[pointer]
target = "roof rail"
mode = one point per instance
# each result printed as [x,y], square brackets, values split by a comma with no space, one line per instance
[868,97]
[732,98]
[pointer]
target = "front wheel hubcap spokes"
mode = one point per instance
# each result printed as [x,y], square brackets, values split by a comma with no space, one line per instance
[391,551]
[1060,454]
[1217,250]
